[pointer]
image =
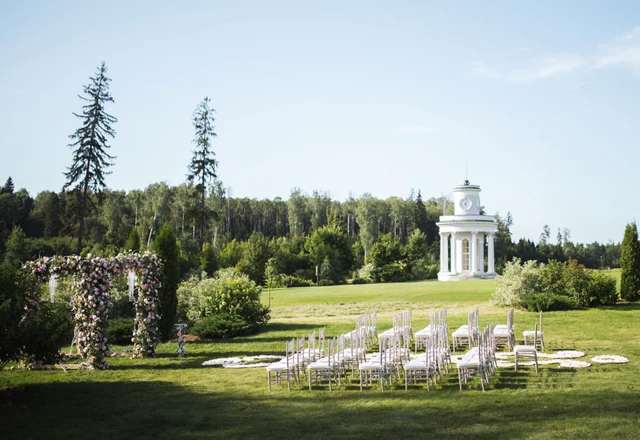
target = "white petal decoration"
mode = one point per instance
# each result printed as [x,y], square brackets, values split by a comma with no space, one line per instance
[574,364]
[569,354]
[610,359]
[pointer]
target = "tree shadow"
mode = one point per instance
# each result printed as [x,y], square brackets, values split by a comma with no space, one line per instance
[161,409]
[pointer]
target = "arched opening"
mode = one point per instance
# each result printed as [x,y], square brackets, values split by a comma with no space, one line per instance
[465,254]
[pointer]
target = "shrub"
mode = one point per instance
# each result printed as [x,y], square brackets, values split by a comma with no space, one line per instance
[359,281]
[422,270]
[392,272]
[601,290]
[366,272]
[292,281]
[222,325]
[544,302]
[326,282]
[43,331]
[518,280]
[120,331]
[229,293]
[122,307]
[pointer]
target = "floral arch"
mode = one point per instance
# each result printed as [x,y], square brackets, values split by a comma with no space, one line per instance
[91,302]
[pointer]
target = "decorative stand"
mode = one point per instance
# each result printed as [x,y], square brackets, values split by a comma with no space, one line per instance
[181,348]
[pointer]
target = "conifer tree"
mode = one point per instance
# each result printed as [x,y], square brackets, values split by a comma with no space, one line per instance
[166,246]
[8,186]
[203,164]
[90,157]
[420,214]
[630,264]
[133,241]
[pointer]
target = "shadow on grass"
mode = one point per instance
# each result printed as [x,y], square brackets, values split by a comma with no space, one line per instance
[623,307]
[157,409]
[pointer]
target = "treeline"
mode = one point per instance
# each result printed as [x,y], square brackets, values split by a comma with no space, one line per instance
[246,233]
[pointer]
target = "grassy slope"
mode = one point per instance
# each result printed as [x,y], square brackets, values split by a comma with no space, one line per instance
[176,398]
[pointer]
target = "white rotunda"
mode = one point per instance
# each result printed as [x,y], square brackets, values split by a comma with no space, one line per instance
[463,236]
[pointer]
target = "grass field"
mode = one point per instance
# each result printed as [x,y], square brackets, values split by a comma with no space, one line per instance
[169,397]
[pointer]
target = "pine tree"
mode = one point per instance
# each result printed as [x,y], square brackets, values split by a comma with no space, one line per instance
[630,264]
[203,164]
[90,157]
[166,246]
[8,186]
[420,218]
[133,241]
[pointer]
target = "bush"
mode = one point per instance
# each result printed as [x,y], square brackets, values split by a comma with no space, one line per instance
[518,281]
[543,302]
[392,272]
[292,281]
[222,325]
[359,281]
[229,293]
[326,282]
[44,330]
[120,331]
[122,307]
[422,270]
[600,291]
[366,272]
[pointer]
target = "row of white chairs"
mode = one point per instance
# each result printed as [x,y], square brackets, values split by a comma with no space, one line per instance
[299,353]
[366,324]
[401,321]
[466,334]
[480,359]
[436,359]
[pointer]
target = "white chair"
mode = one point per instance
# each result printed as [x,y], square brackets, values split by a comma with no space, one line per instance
[527,350]
[325,368]
[286,366]
[475,361]
[464,335]
[505,334]
[535,334]
[376,367]
[423,366]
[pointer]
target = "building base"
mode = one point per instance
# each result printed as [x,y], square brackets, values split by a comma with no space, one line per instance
[448,276]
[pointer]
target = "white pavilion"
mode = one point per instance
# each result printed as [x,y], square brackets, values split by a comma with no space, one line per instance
[463,236]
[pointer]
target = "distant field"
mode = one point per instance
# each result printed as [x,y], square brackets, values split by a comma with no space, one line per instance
[170,397]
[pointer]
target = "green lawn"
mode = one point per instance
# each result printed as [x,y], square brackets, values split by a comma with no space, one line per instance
[175,398]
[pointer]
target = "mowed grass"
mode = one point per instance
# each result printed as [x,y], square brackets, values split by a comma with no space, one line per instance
[169,397]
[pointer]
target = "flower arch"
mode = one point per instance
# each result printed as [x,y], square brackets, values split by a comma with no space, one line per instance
[91,302]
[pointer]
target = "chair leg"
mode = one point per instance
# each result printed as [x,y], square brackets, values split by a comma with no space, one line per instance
[269,379]
[536,359]
[516,363]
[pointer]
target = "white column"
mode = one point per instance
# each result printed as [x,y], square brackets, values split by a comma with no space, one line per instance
[481,253]
[454,256]
[444,252]
[442,256]
[473,253]
[490,268]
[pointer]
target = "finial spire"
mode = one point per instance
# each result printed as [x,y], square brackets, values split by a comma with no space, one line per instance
[466,172]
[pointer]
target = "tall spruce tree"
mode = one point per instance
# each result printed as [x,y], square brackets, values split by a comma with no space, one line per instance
[90,157]
[630,264]
[420,217]
[202,168]
[8,186]
[166,246]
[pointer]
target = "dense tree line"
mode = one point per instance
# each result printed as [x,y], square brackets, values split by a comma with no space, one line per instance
[247,232]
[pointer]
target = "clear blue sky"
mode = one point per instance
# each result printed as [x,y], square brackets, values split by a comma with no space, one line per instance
[541,98]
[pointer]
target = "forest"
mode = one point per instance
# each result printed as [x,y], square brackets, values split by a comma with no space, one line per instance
[397,237]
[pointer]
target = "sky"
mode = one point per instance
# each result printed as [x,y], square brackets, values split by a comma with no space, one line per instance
[536,102]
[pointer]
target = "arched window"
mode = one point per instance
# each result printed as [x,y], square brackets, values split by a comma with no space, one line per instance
[465,254]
